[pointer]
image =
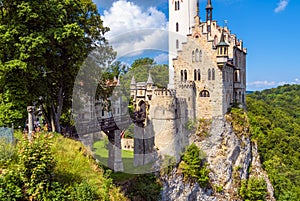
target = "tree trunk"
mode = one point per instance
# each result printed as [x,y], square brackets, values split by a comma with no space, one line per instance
[57,110]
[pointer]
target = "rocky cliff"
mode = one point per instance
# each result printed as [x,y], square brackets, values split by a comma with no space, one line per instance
[229,156]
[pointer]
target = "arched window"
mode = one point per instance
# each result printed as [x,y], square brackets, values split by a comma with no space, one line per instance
[177,27]
[197,55]
[204,93]
[185,75]
[199,75]
[177,44]
[195,74]
[209,74]
[178,5]
[181,75]
[215,41]
[200,56]
[237,76]
[213,74]
[193,56]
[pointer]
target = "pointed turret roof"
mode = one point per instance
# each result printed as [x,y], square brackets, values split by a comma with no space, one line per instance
[208,5]
[150,81]
[222,41]
[133,81]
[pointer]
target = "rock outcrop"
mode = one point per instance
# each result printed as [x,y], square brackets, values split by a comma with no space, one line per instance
[229,156]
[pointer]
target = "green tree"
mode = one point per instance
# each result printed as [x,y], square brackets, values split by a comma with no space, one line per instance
[192,165]
[42,45]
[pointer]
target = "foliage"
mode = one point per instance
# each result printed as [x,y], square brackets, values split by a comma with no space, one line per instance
[50,167]
[274,115]
[140,69]
[129,133]
[42,46]
[37,164]
[192,165]
[253,189]
[203,127]
[7,152]
[144,187]
[239,119]
[168,164]
[11,185]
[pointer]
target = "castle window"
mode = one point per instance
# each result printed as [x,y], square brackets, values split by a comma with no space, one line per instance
[215,41]
[209,74]
[199,75]
[213,74]
[204,93]
[102,113]
[177,5]
[181,75]
[237,76]
[195,74]
[200,56]
[177,44]
[177,27]
[197,55]
[185,75]
[193,56]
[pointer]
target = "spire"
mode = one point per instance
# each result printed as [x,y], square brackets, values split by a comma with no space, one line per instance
[150,81]
[222,40]
[133,81]
[209,9]
[197,17]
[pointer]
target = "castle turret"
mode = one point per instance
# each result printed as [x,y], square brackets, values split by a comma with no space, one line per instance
[150,81]
[222,51]
[132,87]
[209,9]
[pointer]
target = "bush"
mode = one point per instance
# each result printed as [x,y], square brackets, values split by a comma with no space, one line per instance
[38,164]
[253,189]
[85,192]
[193,167]
[10,186]
[7,152]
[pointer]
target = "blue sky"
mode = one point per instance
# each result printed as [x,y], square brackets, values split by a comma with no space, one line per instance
[269,28]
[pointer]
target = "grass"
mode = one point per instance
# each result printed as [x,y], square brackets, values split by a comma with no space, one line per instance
[101,153]
[74,164]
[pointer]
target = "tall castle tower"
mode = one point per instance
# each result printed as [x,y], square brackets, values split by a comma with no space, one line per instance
[181,20]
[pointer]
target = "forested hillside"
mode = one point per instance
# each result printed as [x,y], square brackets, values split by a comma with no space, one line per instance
[275,124]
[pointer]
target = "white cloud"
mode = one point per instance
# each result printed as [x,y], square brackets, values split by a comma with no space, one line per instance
[161,58]
[133,29]
[282,4]
[259,85]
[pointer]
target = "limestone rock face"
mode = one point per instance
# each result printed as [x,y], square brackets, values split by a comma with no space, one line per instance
[228,156]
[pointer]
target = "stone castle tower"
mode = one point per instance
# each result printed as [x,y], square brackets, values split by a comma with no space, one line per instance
[207,68]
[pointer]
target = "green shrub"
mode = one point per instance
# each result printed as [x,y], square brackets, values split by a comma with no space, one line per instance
[38,164]
[85,192]
[10,186]
[193,167]
[253,189]
[7,152]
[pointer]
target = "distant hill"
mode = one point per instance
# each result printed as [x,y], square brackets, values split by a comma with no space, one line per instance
[274,116]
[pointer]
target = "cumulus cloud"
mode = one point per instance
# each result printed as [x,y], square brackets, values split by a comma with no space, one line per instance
[259,85]
[133,29]
[282,4]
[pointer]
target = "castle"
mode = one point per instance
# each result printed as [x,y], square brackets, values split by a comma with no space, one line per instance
[207,75]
